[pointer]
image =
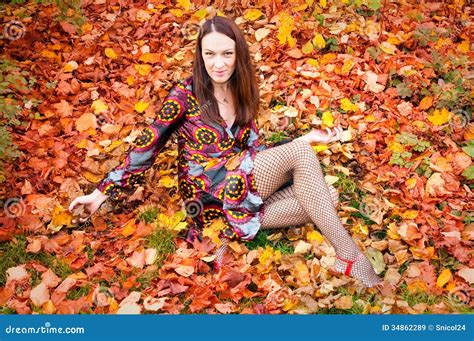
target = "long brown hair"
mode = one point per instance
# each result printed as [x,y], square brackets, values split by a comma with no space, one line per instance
[242,82]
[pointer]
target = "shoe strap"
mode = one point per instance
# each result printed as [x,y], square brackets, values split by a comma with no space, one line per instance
[349,263]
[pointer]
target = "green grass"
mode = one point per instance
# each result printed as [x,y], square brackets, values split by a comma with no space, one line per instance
[419,297]
[261,240]
[78,292]
[14,253]
[163,241]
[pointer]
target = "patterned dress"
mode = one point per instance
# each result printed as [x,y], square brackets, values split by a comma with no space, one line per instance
[215,166]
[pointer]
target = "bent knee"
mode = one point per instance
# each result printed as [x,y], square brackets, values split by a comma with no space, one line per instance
[303,149]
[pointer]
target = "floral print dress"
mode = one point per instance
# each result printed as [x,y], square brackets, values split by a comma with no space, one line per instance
[215,166]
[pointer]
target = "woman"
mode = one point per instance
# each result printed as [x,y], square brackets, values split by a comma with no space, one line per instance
[224,172]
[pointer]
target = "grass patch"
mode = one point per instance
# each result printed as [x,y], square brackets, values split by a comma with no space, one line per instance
[419,297]
[14,253]
[163,240]
[261,240]
[78,292]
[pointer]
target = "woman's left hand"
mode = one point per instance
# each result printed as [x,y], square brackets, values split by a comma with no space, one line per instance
[323,136]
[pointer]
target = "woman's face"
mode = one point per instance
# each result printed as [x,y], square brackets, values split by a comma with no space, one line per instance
[218,53]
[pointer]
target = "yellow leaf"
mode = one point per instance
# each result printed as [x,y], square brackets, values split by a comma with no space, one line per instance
[60,216]
[176,12]
[130,80]
[392,232]
[201,14]
[110,53]
[185,4]
[171,222]
[314,236]
[416,287]
[320,148]
[50,54]
[307,48]
[395,146]
[410,214]
[99,107]
[150,58]
[213,230]
[328,119]
[426,103]
[464,46]
[348,65]
[347,105]
[323,3]
[94,178]
[284,31]
[141,106]
[387,47]
[313,62]
[129,228]
[411,183]
[113,145]
[328,57]
[253,14]
[309,2]
[167,181]
[439,118]
[70,66]
[82,144]
[318,41]
[369,118]
[142,69]
[443,278]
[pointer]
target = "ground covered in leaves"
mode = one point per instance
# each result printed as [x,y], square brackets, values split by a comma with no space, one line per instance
[82,84]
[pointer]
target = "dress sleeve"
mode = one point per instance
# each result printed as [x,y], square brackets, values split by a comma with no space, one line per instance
[147,145]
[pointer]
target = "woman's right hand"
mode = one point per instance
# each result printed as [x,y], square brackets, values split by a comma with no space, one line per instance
[91,204]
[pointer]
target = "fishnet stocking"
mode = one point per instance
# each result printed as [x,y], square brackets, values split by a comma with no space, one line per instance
[273,168]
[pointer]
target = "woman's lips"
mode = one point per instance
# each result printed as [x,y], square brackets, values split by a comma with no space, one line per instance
[220,73]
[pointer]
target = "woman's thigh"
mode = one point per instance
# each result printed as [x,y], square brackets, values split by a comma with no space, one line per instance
[272,169]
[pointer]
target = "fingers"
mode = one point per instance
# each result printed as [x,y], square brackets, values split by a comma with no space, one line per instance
[73,204]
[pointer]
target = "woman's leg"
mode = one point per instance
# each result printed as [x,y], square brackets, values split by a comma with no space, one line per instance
[282,209]
[298,158]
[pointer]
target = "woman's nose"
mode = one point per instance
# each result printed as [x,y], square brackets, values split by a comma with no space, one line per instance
[219,63]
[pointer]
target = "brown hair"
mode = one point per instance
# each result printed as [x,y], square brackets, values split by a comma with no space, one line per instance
[242,82]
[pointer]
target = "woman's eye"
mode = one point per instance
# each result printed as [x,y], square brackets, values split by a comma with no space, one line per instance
[229,53]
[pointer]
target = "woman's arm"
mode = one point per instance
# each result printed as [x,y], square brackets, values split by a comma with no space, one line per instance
[146,146]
